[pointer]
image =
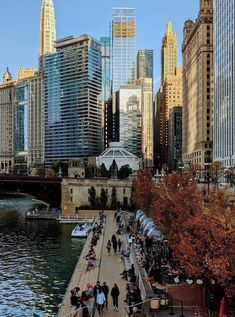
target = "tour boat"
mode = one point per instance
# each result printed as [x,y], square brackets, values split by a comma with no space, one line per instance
[81,231]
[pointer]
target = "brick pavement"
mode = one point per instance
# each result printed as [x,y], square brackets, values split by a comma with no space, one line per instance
[111,266]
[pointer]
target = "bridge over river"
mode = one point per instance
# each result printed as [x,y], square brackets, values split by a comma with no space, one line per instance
[47,189]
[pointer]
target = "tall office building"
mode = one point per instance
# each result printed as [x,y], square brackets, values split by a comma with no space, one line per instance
[21,134]
[106,70]
[171,97]
[168,53]
[224,103]
[147,121]
[134,108]
[198,96]
[123,47]
[158,129]
[175,139]
[145,64]
[72,88]
[36,121]
[47,28]
[7,92]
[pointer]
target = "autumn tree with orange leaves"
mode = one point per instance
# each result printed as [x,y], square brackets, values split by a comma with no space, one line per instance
[200,237]
[143,189]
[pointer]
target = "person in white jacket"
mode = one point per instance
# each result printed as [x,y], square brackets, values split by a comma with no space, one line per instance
[100,300]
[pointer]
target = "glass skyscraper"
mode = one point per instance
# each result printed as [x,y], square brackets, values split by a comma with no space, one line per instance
[106,71]
[123,46]
[72,88]
[145,64]
[224,102]
[21,126]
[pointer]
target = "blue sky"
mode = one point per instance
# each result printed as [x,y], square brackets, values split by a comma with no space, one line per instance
[19,25]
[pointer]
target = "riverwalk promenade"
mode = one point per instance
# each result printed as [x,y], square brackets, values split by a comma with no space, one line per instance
[107,268]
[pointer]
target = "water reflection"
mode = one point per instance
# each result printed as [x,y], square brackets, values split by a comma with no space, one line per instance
[37,259]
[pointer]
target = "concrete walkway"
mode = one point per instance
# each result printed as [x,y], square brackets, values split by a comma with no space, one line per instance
[110,269]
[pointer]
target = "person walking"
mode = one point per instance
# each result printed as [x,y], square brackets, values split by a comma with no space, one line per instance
[108,246]
[115,293]
[114,242]
[119,245]
[100,300]
[105,290]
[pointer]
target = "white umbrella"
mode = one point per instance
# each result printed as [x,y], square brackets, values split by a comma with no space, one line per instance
[139,214]
[153,232]
[148,226]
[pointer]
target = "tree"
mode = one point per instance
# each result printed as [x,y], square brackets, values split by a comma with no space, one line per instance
[215,170]
[199,236]
[113,199]
[103,171]
[57,165]
[40,171]
[89,170]
[113,169]
[103,198]
[143,190]
[92,197]
[124,172]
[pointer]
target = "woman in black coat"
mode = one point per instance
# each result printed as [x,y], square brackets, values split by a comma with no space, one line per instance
[115,293]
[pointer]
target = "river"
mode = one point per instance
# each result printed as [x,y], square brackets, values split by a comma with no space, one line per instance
[37,259]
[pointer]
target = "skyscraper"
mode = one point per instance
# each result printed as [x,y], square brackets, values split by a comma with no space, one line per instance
[145,64]
[198,95]
[72,88]
[171,97]
[7,92]
[168,53]
[106,70]
[135,118]
[175,138]
[21,134]
[47,28]
[224,103]
[36,121]
[123,46]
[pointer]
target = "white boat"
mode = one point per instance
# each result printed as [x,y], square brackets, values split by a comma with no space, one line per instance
[81,230]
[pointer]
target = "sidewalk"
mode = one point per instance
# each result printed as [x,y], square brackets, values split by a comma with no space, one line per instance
[110,269]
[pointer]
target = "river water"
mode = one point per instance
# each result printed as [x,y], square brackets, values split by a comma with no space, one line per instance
[37,259]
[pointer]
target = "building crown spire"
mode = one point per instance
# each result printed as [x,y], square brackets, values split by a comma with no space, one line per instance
[47,28]
[169,28]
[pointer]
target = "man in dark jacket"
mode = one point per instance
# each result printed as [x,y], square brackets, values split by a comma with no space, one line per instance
[115,293]
[105,290]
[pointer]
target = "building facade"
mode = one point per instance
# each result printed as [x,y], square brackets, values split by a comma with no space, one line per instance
[26,72]
[123,47]
[36,121]
[158,129]
[72,106]
[224,76]
[175,139]
[7,93]
[145,64]
[128,109]
[134,109]
[47,34]
[75,192]
[168,53]
[198,92]
[21,111]
[171,97]
[106,68]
